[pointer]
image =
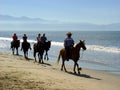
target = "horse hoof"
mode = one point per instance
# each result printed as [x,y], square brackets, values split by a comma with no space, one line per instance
[65,70]
[74,72]
[17,54]
[80,68]
[79,73]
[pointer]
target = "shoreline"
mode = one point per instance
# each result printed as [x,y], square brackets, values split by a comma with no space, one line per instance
[83,64]
[16,73]
[96,60]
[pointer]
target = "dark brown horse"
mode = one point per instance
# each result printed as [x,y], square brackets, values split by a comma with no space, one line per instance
[74,55]
[15,45]
[47,46]
[40,48]
[25,46]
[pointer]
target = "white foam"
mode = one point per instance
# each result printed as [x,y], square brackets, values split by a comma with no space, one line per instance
[103,48]
[3,45]
[5,39]
[57,43]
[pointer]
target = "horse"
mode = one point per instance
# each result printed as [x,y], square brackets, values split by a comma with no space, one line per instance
[25,46]
[74,55]
[40,48]
[15,45]
[46,48]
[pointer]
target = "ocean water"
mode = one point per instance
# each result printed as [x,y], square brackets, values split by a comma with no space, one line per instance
[103,47]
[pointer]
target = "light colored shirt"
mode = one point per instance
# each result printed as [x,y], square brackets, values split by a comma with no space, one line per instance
[39,39]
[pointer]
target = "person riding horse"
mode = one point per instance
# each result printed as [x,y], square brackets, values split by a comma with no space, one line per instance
[39,41]
[74,55]
[24,38]
[68,44]
[43,38]
[15,43]
[25,46]
[15,38]
[40,47]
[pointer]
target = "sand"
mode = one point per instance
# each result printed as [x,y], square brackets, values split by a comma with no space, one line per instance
[17,73]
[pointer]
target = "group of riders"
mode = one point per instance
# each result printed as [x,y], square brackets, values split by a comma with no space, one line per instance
[25,44]
[40,39]
[68,42]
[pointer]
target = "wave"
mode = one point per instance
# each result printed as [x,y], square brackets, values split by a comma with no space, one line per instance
[95,47]
[103,48]
[60,44]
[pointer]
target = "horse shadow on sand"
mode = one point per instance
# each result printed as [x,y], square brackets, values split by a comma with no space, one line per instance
[46,64]
[28,59]
[43,64]
[16,54]
[83,75]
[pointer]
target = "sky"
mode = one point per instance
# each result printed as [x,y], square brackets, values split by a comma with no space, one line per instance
[83,11]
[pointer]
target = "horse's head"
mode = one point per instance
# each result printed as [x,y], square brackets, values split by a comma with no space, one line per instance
[82,44]
[49,44]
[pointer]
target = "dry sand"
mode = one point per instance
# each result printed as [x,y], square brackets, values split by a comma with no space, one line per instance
[16,73]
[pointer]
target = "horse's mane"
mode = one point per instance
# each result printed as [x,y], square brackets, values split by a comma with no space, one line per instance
[76,45]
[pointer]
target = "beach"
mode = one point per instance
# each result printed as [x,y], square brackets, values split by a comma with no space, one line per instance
[17,73]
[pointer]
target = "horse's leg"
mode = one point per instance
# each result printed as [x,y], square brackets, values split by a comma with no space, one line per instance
[16,51]
[74,67]
[78,68]
[39,57]
[63,65]
[35,56]
[13,50]
[42,58]
[27,54]
[47,55]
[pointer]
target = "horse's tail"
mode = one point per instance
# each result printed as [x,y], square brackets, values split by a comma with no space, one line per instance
[58,58]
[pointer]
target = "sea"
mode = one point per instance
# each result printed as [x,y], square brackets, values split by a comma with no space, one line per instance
[102,54]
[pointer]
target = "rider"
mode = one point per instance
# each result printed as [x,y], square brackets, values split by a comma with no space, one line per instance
[39,41]
[38,38]
[43,38]
[24,38]
[68,44]
[15,38]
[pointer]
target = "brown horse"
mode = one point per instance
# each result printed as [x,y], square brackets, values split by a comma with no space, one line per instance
[74,55]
